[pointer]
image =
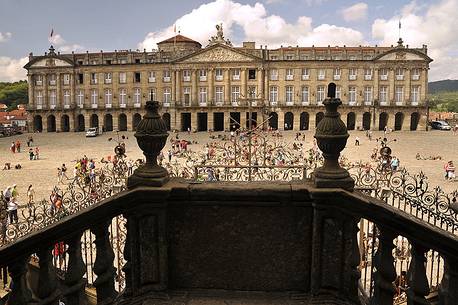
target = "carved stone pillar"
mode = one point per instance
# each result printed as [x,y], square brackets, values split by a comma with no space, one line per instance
[227,87]
[194,88]
[211,87]
[243,77]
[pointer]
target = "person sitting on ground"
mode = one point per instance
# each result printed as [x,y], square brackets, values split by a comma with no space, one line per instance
[18,166]
[7,166]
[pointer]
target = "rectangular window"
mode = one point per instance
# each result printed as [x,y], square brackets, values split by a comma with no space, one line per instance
[122,77]
[108,78]
[137,96]
[383,74]
[219,94]
[383,95]
[151,77]
[122,98]
[252,93]
[338,91]
[203,96]
[305,95]
[94,98]
[321,74]
[305,74]
[66,80]
[66,99]
[166,76]
[236,74]
[289,74]
[320,95]
[138,60]
[399,96]
[289,57]
[273,95]
[152,94]
[52,99]
[367,74]
[80,78]
[108,96]
[399,74]
[137,77]
[415,95]
[352,95]
[235,94]
[337,74]
[80,98]
[52,79]
[251,74]
[219,74]
[368,95]
[186,75]
[94,79]
[352,72]
[187,96]
[274,74]
[202,75]
[38,80]
[39,99]
[167,95]
[289,95]
[415,74]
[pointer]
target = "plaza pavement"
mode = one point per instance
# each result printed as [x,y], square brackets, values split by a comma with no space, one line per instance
[58,148]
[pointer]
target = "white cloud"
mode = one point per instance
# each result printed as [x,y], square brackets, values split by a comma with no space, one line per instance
[5,36]
[436,27]
[12,69]
[61,45]
[314,2]
[274,1]
[256,24]
[355,12]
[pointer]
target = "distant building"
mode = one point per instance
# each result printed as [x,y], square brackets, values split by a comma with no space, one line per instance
[16,118]
[209,88]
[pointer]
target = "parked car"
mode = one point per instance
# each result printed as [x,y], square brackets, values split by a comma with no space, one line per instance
[440,125]
[92,132]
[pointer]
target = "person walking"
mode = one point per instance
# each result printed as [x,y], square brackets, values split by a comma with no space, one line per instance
[18,146]
[450,170]
[31,154]
[63,169]
[394,164]
[12,210]
[30,195]
[357,141]
[37,153]
[13,147]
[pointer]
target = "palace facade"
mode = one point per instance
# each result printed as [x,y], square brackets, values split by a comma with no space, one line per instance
[217,87]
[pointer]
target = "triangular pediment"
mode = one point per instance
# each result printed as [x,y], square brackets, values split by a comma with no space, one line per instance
[49,62]
[401,54]
[218,53]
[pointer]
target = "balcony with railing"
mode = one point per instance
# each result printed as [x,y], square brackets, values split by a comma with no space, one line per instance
[270,242]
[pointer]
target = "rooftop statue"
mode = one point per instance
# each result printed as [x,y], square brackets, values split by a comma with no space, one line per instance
[219,38]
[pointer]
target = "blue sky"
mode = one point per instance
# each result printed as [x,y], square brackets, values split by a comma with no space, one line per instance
[103,24]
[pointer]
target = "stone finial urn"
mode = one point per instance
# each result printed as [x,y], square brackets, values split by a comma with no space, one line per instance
[331,135]
[151,138]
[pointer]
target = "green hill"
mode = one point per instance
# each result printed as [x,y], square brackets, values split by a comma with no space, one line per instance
[13,94]
[443,85]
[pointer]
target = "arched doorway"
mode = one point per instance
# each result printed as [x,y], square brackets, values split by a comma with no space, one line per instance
[351,121]
[304,121]
[51,123]
[185,121]
[122,123]
[37,123]
[398,120]
[65,123]
[234,121]
[289,121]
[273,120]
[94,120]
[414,119]
[382,120]
[136,120]
[319,116]
[108,122]
[166,118]
[366,120]
[80,125]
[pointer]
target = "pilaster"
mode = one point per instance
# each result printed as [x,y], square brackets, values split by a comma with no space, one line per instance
[227,86]
[194,88]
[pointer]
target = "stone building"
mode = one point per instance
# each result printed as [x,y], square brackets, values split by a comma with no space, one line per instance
[218,86]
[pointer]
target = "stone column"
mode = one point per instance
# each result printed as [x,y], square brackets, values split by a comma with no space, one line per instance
[297,121]
[177,120]
[281,120]
[227,123]
[178,81]
[210,120]
[173,89]
[312,119]
[260,91]
[227,87]
[115,121]
[194,88]
[211,84]
[243,77]
[376,84]
[359,120]
[193,120]
[57,115]
[407,89]
[59,105]
[392,85]
[71,122]
[45,101]
[243,120]
[31,91]
[72,92]
[130,126]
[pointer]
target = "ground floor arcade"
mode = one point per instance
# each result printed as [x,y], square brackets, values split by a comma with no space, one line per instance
[300,118]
